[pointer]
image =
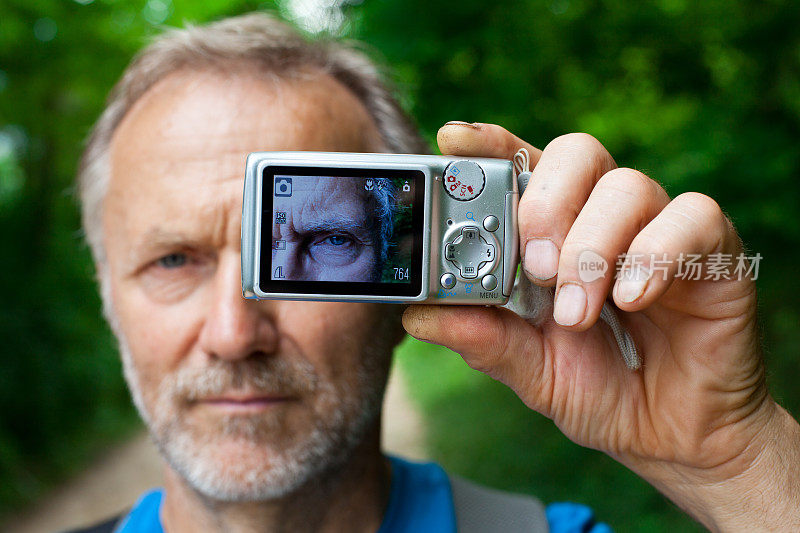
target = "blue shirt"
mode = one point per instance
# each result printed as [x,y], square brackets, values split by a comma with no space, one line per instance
[420,501]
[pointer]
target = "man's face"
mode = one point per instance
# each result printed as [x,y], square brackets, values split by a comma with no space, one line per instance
[247,400]
[327,230]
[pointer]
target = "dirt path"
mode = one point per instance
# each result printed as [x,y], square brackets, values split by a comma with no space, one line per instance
[116,480]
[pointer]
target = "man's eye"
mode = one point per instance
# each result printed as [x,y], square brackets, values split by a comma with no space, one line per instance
[337,240]
[335,249]
[173,261]
[334,241]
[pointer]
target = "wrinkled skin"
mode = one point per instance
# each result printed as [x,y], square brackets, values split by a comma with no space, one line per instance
[240,390]
[330,231]
[696,420]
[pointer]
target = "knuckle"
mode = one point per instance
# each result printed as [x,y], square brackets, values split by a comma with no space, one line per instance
[627,181]
[580,148]
[580,141]
[537,206]
[495,129]
[573,248]
[485,353]
[545,216]
[482,364]
[499,138]
[700,201]
[628,193]
[543,207]
[624,177]
[705,207]
[657,240]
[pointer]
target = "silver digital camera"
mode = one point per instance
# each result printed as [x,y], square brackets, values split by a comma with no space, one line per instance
[379,227]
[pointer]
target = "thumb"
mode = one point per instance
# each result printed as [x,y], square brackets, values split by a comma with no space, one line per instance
[482,140]
[492,340]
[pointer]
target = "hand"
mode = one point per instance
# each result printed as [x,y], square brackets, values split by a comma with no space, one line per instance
[697,418]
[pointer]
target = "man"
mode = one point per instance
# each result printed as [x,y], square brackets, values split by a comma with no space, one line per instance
[332,229]
[268,413]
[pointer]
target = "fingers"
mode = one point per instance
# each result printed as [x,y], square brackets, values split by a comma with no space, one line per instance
[492,340]
[691,224]
[481,140]
[561,182]
[577,202]
[623,201]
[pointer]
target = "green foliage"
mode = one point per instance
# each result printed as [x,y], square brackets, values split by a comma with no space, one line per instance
[62,396]
[700,95]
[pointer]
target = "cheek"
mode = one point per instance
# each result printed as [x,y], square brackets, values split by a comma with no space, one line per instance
[158,335]
[335,337]
[361,269]
[368,258]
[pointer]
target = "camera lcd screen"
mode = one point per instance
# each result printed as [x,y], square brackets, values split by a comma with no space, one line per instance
[342,231]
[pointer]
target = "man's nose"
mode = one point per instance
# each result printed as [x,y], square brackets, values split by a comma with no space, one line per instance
[234,327]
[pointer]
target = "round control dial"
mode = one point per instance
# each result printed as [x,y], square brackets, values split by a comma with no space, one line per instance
[463,180]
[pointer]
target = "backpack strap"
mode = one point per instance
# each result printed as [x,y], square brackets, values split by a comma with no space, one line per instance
[481,510]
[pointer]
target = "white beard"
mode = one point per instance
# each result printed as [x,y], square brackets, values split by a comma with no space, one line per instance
[258,473]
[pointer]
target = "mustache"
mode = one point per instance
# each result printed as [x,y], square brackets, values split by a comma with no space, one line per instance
[259,374]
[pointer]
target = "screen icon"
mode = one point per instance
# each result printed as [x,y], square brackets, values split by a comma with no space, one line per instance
[280,245]
[369,185]
[283,187]
[280,217]
[406,187]
[278,273]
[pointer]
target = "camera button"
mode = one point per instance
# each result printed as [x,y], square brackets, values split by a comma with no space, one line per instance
[491,223]
[489,282]
[448,281]
[463,180]
[469,252]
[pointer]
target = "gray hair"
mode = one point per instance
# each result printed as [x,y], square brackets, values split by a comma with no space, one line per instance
[385,198]
[256,39]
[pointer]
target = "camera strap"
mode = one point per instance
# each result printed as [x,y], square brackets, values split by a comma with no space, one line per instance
[528,304]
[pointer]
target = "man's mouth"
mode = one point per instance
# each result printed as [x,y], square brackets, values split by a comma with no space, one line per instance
[244,402]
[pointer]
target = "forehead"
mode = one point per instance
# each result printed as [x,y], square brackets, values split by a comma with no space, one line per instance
[214,118]
[313,190]
[181,149]
[327,198]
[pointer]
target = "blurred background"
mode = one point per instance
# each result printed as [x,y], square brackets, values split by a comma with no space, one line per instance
[701,96]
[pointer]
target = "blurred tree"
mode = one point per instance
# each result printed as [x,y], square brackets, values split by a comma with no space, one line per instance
[62,396]
[700,95]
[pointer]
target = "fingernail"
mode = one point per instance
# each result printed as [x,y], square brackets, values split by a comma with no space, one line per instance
[632,284]
[473,125]
[541,259]
[570,306]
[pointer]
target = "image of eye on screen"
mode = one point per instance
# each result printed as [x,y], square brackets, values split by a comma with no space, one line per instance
[345,231]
